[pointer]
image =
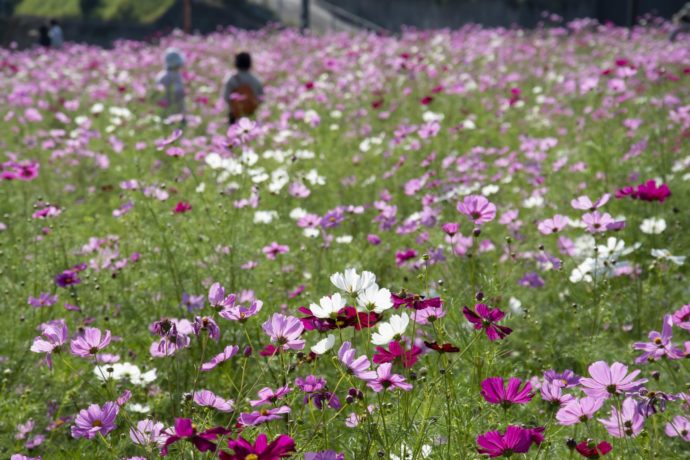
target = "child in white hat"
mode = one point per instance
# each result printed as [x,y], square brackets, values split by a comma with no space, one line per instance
[170,80]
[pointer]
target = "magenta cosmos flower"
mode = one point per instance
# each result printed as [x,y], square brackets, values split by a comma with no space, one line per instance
[628,422]
[359,367]
[273,249]
[228,352]
[90,342]
[606,381]
[478,209]
[659,345]
[516,440]
[281,447]
[486,318]
[95,420]
[285,331]
[589,449]
[185,430]
[262,416]
[494,391]
[579,410]
[386,380]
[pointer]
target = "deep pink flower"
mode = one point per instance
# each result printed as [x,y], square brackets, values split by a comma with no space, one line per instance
[606,381]
[185,430]
[94,420]
[182,207]
[397,353]
[478,209]
[487,318]
[516,440]
[590,450]
[649,191]
[281,447]
[494,391]
[90,342]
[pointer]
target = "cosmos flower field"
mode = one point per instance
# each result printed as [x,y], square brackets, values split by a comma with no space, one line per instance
[442,245]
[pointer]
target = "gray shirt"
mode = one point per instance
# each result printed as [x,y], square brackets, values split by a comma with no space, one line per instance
[239,79]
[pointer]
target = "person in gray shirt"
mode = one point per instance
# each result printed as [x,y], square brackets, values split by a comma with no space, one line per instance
[243,91]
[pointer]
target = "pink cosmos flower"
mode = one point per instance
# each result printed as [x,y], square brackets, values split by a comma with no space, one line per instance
[606,381]
[94,420]
[678,426]
[207,398]
[681,317]
[597,222]
[217,297]
[285,331]
[386,380]
[494,391]
[628,422]
[43,300]
[478,209]
[583,203]
[240,312]
[553,225]
[268,396]
[90,342]
[579,410]
[54,335]
[262,416]
[359,367]
[659,345]
[273,249]
[427,315]
[589,449]
[553,394]
[228,352]
[148,433]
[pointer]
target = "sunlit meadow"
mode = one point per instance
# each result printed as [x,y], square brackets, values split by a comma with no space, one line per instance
[443,245]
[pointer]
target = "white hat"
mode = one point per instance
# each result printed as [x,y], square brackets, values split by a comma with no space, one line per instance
[173,59]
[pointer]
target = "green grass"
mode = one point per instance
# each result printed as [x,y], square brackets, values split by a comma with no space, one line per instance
[141,11]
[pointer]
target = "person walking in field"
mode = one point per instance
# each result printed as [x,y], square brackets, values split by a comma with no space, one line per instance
[55,34]
[170,80]
[243,90]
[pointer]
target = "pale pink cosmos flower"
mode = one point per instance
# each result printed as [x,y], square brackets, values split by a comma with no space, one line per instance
[386,380]
[359,367]
[597,222]
[579,410]
[228,352]
[679,426]
[427,315]
[148,433]
[606,381]
[268,396]
[90,342]
[583,203]
[285,331]
[628,422]
[54,335]
[240,312]
[262,416]
[553,225]
[207,398]
[478,209]
[273,249]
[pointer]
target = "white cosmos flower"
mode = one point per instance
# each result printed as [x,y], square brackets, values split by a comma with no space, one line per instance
[297,213]
[311,232]
[345,239]
[144,378]
[264,217]
[408,453]
[653,226]
[665,254]
[392,330]
[322,346]
[374,299]
[351,282]
[124,371]
[328,306]
[139,408]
